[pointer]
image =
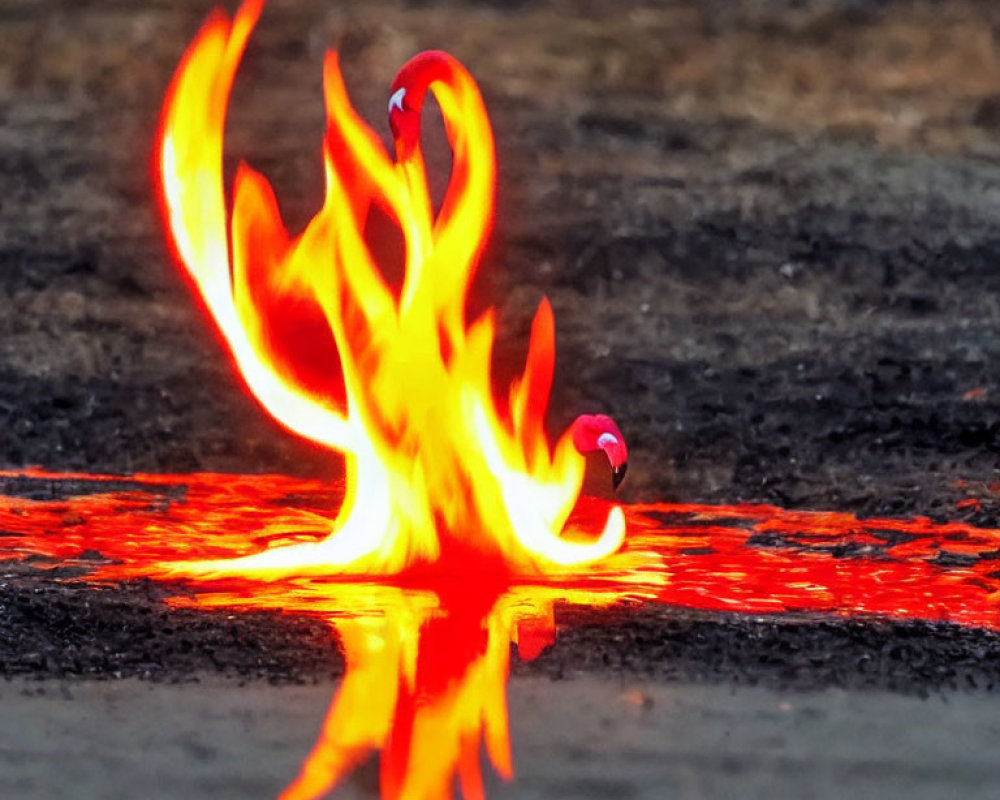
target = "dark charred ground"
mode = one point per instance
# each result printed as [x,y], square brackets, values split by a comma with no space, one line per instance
[770,232]
[58,631]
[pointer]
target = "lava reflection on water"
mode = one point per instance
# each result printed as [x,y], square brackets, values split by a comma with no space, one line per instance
[751,558]
[427,655]
[426,685]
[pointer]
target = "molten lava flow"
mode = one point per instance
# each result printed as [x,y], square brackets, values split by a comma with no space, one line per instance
[438,471]
[427,656]
[747,558]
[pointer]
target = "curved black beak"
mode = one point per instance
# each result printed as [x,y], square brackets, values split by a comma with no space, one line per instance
[618,474]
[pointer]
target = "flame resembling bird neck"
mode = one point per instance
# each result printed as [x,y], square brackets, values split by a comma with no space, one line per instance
[437,469]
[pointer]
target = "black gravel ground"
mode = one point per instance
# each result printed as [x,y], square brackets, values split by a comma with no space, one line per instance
[770,231]
[56,630]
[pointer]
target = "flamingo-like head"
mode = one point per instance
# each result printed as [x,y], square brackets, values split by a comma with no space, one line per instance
[593,432]
[407,93]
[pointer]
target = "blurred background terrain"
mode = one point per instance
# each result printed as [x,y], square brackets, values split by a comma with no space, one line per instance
[769,231]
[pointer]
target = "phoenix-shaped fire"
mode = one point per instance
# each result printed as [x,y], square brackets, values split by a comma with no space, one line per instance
[440,469]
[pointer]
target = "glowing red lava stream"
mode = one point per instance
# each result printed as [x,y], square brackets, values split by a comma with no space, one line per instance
[747,558]
[427,655]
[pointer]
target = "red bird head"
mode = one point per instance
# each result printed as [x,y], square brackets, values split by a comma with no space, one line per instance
[593,432]
[408,90]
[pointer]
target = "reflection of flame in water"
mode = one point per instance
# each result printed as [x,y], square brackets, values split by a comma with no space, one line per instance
[745,558]
[427,658]
[443,478]
[425,685]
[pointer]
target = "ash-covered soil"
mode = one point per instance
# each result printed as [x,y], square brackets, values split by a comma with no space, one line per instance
[770,231]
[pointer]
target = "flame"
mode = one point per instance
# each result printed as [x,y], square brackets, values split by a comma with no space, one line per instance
[426,671]
[438,470]
[426,686]
[747,558]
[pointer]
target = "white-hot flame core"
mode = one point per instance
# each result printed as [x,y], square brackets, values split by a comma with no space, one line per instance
[436,468]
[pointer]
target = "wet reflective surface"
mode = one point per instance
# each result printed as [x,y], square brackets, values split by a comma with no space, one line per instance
[748,557]
[428,654]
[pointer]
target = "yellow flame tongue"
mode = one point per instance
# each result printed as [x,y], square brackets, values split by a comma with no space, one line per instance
[437,469]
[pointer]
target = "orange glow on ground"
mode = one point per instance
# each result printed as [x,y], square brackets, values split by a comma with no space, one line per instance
[427,653]
[747,558]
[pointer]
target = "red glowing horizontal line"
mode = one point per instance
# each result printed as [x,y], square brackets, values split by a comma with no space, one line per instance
[749,558]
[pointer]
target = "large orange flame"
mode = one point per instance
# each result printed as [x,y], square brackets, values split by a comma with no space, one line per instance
[438,470]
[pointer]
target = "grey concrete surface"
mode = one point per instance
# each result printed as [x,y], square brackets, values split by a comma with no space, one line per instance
[576,738]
